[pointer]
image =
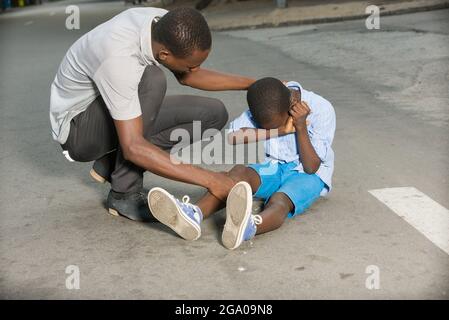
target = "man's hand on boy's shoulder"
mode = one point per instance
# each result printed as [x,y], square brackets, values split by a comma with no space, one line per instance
[299,112]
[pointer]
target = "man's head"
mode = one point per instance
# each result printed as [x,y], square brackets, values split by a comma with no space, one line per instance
[269,101]
[183,40]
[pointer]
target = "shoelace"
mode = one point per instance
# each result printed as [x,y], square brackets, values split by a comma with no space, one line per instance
[187,206]
[254,220]
[257,219]
[186,199]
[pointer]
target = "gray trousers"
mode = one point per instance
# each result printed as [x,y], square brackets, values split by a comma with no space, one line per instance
[93,135]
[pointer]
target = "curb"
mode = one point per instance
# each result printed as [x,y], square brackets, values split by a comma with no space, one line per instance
[334,19]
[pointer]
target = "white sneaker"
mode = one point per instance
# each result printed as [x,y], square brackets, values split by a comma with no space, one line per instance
[240,224]
[181,216]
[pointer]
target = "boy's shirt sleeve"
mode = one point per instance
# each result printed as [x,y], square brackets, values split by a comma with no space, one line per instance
[294,85]
[242,121]
[322,130]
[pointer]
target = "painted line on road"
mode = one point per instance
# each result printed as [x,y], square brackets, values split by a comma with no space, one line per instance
[423,213]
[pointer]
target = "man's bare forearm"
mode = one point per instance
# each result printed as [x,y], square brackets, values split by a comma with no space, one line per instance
[210,80]
[157,161]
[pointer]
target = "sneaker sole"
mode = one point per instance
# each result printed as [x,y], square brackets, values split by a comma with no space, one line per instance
[238,209]
[96,176]
[164,209]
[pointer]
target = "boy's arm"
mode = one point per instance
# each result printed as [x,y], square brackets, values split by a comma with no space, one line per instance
[210,80]
[249,135]
[309,158]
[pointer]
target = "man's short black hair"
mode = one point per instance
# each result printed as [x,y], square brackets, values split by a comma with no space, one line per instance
[183,30]
[267,97]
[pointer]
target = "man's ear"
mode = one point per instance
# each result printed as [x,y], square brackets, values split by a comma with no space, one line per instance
[163,54]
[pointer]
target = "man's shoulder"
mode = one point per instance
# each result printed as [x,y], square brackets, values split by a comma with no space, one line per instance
[148,11]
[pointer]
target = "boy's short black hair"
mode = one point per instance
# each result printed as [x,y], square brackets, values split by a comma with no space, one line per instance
[266,97]
[182,30]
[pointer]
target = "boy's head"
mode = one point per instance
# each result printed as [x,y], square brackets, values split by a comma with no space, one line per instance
[185,38]
[269,101]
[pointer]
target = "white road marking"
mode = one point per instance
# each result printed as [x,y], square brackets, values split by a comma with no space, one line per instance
[424,214]
[28,23]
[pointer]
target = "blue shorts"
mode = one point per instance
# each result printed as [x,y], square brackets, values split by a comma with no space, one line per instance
[301,188]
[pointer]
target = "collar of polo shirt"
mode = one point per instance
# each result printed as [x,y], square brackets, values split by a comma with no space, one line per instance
[145,42]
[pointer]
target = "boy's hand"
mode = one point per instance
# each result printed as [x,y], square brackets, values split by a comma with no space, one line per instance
[299,112]
[288,127]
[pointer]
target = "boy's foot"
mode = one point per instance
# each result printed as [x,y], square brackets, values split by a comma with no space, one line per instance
[181,216]
[240,223]
[132,205]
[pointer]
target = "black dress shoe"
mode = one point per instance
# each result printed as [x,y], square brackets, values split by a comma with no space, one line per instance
[133,205]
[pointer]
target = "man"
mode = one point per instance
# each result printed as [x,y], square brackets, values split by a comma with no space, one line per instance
[108,102]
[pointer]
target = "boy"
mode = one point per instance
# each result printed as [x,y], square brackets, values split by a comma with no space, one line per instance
[297,170]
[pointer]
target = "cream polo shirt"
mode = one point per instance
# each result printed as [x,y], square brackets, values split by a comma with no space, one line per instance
[108,61]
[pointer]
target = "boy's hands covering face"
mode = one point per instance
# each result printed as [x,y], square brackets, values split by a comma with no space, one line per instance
[299,112]
[288,127]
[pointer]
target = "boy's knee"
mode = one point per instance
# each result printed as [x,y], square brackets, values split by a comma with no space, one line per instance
[238,172]
[243,173]
[282,201]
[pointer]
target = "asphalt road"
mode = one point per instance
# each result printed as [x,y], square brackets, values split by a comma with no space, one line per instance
[390,91]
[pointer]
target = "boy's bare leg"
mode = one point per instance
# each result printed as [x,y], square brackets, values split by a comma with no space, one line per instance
[275,212]
[209,204]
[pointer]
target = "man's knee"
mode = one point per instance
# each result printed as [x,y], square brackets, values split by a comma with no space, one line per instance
[153,79]
[217,115]
[222,114]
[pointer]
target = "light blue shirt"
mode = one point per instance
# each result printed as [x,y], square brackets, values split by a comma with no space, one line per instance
[321,129]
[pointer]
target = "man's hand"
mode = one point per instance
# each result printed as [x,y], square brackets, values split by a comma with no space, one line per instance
[221,186]
[299,112]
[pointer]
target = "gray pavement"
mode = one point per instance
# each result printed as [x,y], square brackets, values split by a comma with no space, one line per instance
[390,91]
